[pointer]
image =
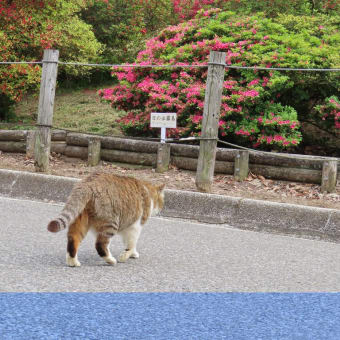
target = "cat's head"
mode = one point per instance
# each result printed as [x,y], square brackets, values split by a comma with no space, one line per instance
[158,199]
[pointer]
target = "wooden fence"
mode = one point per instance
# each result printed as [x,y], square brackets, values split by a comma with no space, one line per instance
[289,167]
[206,159]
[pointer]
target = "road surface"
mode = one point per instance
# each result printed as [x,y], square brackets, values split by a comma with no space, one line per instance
[175,256]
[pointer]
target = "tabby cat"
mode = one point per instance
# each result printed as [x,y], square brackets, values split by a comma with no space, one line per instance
[108,204]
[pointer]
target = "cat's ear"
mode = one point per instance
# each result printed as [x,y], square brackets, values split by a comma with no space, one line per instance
[161,187]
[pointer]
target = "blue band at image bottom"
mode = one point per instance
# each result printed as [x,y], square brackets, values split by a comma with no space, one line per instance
[169,316]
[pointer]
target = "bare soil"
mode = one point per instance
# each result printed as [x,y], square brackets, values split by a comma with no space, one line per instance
[254,187]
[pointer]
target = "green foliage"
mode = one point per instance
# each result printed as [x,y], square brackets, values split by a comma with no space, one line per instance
[6,107]
[187,9]
[273,8]
[123,26]
[29,27]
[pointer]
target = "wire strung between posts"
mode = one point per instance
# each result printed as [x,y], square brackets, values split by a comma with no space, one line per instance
[185,139]
[206,65]
[229,144]
[266,152]
[98,135]
[132,65]
[253,150]
[20,62]
[255,68]
[236,146]
[283,68]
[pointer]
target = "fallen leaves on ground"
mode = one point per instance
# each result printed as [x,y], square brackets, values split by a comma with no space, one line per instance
[253,187]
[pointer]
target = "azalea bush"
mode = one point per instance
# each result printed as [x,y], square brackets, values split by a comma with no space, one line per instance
[256,105]
[329,112]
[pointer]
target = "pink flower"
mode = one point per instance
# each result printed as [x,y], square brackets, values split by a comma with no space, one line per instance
[284,122]
[242,132]
[254,82]
[130,77]
[242,42]
[108,92]
[250,93]
[278,138]
[197,119]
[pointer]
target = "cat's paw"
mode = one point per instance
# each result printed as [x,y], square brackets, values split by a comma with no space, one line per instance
[124,256]
[72,261]
[110,260]
[135,255]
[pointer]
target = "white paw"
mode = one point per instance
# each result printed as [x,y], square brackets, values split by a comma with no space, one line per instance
[110,260]
[72,261]
[124,256]
[135,255]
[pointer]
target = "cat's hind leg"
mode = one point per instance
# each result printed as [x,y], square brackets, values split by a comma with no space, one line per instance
[76,233]
[102,247]
[130,237]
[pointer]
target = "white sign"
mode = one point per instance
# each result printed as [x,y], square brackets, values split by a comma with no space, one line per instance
[163,120]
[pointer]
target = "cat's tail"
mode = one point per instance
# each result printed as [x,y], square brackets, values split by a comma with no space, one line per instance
[74,206]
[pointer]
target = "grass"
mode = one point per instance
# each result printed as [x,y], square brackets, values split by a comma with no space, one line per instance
[80,110]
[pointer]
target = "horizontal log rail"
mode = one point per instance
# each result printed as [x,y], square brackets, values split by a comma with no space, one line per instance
[297,168]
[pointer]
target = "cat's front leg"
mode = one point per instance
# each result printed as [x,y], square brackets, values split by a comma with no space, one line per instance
[130,238]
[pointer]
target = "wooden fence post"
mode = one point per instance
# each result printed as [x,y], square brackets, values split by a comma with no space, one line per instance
[329,174]
[45,110]
[241,165]
[211,114]
[93,151]
[30,143]
[163,157]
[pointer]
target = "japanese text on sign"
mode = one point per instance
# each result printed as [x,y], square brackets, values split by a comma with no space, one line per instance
[165,120]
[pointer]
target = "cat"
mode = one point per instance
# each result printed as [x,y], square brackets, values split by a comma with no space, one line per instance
[108,204]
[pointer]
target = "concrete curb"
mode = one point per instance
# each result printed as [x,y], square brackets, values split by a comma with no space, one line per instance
[248,214]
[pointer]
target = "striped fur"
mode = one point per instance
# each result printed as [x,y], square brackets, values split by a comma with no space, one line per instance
[76,203]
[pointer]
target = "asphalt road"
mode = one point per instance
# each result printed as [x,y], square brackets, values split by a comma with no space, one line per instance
[176,256]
